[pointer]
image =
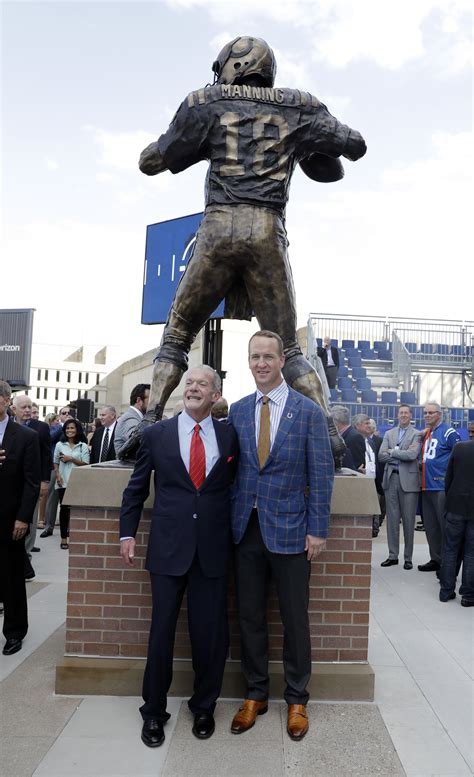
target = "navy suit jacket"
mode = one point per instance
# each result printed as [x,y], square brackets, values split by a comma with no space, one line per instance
[184,520]
[42,430]
[96,442]
[293,490]
[20,476]
[459,480]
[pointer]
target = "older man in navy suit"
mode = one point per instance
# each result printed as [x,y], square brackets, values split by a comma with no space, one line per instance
[280,516]
[193,458]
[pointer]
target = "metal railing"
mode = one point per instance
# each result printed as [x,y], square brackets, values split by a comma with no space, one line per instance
[401,363]
[453,339]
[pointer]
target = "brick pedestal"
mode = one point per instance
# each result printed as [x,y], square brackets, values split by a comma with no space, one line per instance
[109,606]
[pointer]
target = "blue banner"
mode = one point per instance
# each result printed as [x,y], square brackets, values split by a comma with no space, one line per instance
[169,246]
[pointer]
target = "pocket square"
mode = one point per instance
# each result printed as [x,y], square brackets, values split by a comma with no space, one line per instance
[230,458]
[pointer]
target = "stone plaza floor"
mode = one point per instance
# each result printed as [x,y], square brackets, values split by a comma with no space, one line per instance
[420,724]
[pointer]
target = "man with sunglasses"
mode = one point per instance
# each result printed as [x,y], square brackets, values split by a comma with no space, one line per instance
[438,441]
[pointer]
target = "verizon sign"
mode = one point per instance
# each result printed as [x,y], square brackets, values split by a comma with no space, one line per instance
[16,332]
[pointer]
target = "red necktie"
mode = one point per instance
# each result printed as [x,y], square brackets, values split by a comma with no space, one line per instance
[197,459]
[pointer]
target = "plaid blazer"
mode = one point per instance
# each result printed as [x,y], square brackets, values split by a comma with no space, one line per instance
[292,491]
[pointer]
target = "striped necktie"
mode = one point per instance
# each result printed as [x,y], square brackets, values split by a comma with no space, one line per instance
[197,459]
[105,446]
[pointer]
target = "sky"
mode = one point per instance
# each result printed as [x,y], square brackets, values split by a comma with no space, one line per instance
[87,85]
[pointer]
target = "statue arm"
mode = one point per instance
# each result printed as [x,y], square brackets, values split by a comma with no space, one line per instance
[355,146]
[151,160]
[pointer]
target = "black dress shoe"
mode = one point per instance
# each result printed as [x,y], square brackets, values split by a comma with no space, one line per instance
[430,566]
[446,597]
[152,733]
[35,550]
[46,533]
[467,602]
[408,565]
[12,646]
[420,527]
[204,725]
[389,562]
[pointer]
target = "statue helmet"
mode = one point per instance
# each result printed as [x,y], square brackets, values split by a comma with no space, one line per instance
[242,57]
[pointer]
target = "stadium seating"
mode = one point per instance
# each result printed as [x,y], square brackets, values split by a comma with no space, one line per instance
[363,384]
[354,361]
[334,395]
[343,372]
[363,345]
[349,395]
[344,383]
[426,348]
[389,397]
[368,395]
[359,372]
[348,344]
[411,347]
[407,397]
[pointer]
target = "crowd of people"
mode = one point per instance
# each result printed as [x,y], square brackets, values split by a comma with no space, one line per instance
[260,472]
[422,473]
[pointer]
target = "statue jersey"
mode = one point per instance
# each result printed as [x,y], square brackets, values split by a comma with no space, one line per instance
[436,450]
[253,136]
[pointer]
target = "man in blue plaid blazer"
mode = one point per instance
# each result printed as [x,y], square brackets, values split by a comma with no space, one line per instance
[280,515]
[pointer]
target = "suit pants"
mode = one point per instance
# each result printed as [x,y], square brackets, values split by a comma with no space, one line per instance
[254,565]
[433,519]
[13,589]
[331,376]
[30,538]
[208,631]
[51,505]
[458,545]
[400,504]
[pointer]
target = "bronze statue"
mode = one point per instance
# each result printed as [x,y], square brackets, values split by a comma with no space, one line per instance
[253,134]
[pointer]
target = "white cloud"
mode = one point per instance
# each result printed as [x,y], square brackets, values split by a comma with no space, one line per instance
[400,249]
[344,31]
[120,150]
[51,164]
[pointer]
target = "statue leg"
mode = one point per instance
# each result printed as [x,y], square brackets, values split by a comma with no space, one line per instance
[202,287]
[269,282]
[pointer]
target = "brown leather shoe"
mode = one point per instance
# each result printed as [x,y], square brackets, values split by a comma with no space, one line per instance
[247,715]
[298,724]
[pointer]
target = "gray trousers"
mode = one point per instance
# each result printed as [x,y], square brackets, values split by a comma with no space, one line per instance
[400,504]
[51,505]
[433,518]
[31,538]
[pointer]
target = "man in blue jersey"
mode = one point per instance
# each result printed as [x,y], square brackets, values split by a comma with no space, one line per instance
[438,442]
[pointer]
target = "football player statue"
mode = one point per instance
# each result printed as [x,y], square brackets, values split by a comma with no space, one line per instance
[253,134]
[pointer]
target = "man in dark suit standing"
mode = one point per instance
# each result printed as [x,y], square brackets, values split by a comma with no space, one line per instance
[102,443]
[20,475]
[22,408]
[355,455]
[193,458]
[280,516]
[458,539]
[329,356]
